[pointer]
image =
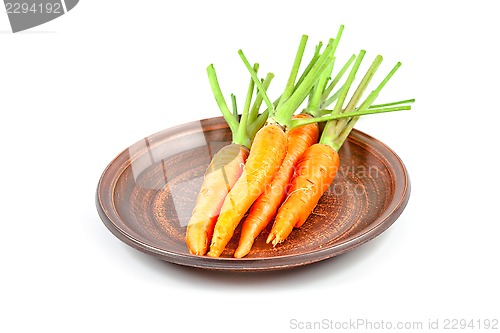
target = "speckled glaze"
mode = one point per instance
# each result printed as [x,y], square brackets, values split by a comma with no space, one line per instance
[146,195]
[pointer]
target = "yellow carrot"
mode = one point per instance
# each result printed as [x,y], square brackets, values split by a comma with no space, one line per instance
[225,168]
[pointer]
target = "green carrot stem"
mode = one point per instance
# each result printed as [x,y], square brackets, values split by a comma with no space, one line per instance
[317,49]
[406,101]
[330,132]
[284,114]
[309,66]
[337,142]
[317,92]
[359,91]
[347,85]
[290,85]
[262,118]
[254,112]
[242,135]
[337,38]
[305,121]
[288,107]
[325,100]
[235,107]
[314,88]
[340,139]
[337,78]
[332,98]
[256,80]
[373,95]
[363,84]
[260,121]
[370,99]
[342,132]
[219,98]
[388,77]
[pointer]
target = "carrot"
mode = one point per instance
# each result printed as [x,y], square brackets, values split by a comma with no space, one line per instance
[265,207]
[267,153]
[270,144]
[318,166]
[316,171]
[299,139]
[224,169]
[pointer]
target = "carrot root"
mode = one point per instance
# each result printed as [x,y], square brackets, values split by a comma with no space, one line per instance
[316,170]
[266,155]
[222,173]
[265,207]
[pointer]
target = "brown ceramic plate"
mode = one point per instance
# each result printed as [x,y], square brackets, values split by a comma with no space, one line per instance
[146,195]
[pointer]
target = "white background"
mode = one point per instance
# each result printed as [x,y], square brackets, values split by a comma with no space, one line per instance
[78,90]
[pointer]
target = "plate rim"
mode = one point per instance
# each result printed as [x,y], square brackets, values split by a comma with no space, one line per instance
[379,225]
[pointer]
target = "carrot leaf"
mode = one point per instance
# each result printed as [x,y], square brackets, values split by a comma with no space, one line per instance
[336,131]
[346,115]
[290,85]
[235,107]
[285,111]
[221,102]
[242,128]
[317,91]
[336,80]
[242,134]
[256,80]
[393,103]
[254,112]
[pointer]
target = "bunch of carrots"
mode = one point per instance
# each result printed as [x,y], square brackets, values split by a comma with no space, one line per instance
[279,163]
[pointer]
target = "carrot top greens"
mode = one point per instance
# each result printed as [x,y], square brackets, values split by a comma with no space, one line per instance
[317,83]
[314,83]
[337,130]
[295,93]
[239,125]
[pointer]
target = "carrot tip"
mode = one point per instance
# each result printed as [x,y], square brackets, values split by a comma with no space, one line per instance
[271,238]
[241,252]
[274,238]
[212,254]
[276,241]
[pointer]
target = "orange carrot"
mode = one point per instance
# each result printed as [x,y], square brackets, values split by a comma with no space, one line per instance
[265,207]
[316,170]
[318,166]
[224,169]
[266,155]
